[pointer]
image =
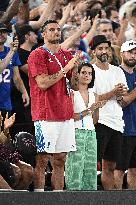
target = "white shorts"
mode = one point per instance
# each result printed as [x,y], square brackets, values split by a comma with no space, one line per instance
[55,137]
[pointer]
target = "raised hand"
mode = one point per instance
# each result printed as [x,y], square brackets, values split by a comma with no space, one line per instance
[66,14]
[73,62]
[8,122]
[95,21]
[82,6]
[14,45]
[85,24]
[67,10]
[72,11]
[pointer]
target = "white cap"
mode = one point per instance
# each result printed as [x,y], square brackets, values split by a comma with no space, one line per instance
[128,46]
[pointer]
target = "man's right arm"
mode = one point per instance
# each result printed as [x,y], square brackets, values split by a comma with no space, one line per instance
[44,81]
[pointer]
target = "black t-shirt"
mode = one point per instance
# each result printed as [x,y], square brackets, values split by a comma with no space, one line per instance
[23,114]
[23,56]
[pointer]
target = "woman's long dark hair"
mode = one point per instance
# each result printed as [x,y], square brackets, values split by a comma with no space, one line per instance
[91,84]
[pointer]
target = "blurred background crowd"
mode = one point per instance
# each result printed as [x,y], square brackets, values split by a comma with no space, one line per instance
[80,21]
[24,19]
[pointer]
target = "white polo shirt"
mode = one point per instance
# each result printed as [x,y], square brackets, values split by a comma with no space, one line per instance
[105,80]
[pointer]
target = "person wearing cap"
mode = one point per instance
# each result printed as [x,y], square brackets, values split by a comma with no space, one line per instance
[105,27]
[9,73]
[110,83]
[13,48]
[127,160]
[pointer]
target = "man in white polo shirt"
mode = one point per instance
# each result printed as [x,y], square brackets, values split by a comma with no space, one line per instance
[110,84]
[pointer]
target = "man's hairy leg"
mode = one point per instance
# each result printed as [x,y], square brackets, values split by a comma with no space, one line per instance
[107,177]
[58,162]
[39,173]
[118,176]
[131,178]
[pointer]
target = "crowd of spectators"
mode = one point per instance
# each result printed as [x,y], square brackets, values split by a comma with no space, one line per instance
[96,36]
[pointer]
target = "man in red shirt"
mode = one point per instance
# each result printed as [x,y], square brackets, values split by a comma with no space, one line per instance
[49,68]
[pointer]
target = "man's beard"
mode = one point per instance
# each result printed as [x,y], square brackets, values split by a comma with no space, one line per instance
[57,41]
[130,64]
[103,58]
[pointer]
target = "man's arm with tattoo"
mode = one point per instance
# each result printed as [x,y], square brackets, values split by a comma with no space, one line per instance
[45,81]
[54,76]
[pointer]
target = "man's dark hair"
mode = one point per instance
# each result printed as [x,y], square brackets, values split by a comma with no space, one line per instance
[21,31]
[93,2]
[109,10]
[91,84]
[48,22]
[92,13]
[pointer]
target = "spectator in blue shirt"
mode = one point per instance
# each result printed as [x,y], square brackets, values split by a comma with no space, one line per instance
[128,156]
[9,73]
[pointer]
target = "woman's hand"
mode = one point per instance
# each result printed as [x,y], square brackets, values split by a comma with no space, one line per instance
[97,105]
